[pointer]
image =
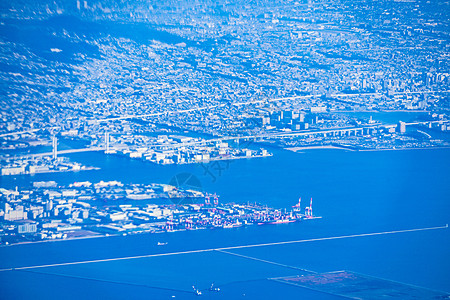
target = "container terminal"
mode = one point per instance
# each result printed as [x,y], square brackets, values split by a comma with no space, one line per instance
[47,211]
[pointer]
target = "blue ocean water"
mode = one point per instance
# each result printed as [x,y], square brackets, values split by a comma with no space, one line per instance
[354,192]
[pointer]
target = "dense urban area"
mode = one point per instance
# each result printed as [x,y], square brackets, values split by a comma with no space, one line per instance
[193,82]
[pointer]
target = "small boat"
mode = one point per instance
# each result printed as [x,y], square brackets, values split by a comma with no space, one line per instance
[283,221]
[162,244]
[197,291]
[213,288]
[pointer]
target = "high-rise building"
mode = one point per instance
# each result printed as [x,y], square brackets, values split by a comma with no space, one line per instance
[27,228]
[49,205]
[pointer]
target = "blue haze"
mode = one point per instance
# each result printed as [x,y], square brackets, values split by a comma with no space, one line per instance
[355,192]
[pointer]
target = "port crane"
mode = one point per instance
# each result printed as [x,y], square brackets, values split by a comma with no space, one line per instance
[308,210]
[297,206]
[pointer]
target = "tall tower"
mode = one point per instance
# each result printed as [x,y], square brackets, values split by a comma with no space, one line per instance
[401,127]
[55,147]
[107,142]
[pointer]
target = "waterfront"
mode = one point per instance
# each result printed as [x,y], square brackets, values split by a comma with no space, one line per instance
[246,107]
[50,211]
[355,192]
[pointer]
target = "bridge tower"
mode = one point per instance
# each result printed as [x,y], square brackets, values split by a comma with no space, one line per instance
[55,147]
[106,142]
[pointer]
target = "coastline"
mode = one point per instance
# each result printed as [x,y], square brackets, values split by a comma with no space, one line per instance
[99,235]
[54,171]
[399,149]
[61,240]
[218,158]
[297,149]
[381,110]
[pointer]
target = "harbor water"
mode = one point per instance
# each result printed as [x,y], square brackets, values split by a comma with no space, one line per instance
[354,192]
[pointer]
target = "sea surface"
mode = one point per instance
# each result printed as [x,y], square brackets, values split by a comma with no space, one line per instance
[354,192]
